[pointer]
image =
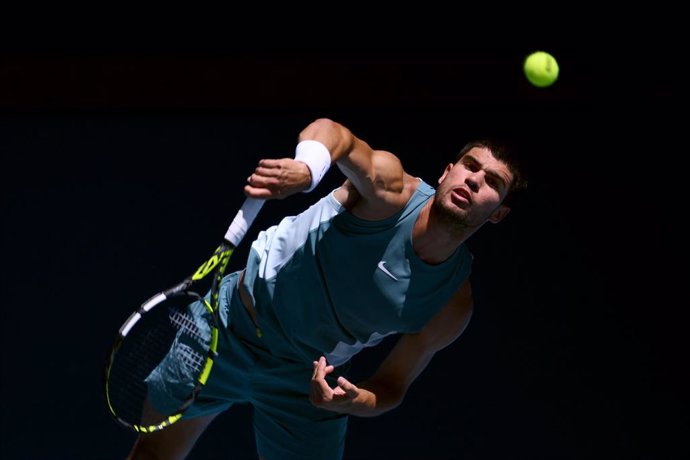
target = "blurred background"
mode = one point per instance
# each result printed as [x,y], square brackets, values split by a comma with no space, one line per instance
[122,166]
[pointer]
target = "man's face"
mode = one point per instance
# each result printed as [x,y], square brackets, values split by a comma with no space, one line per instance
[470,191]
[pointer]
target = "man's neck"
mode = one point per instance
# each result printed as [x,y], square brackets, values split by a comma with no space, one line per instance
[433,242]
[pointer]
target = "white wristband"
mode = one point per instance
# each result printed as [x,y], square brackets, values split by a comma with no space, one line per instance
[317,158]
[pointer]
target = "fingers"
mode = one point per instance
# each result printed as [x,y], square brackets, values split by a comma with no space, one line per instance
[267,181]
[321,369]
[256,192]
[268,169]
[348,388]
[337,399]
[277,178]
[320,392]
[263,179]
[271,163]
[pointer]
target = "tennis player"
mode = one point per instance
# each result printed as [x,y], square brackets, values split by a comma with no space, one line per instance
[382,254]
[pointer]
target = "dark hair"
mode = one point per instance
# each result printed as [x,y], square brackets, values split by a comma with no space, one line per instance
[503,152]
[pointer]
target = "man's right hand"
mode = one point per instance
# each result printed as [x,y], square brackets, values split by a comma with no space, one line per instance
[277,179]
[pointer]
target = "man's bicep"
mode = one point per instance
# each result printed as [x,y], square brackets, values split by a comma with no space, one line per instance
[373,172]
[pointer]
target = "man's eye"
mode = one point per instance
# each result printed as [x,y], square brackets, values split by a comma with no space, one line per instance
[493,183]
[471,166]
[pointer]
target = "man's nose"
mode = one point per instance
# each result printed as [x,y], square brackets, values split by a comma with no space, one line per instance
[472,182]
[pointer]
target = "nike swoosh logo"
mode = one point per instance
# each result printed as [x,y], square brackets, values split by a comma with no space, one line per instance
[385,270]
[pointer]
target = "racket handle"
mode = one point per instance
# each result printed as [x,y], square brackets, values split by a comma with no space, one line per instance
[243,220]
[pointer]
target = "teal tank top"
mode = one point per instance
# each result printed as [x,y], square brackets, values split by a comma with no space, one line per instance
[332,284]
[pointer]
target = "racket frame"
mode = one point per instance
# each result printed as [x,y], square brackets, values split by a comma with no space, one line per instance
[217,265]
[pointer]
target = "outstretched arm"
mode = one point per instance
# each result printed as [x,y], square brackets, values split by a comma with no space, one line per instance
[377,175]
[412,353]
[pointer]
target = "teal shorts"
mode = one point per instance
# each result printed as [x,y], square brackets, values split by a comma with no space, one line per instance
[248,371]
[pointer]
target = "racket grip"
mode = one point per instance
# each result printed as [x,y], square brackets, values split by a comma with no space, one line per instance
[243,220]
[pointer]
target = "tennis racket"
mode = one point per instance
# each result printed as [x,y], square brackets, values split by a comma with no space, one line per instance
[163,354]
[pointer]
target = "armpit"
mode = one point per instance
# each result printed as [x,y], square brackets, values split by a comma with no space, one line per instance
[347,195]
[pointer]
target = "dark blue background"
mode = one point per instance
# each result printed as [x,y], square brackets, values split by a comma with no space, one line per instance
[120,173]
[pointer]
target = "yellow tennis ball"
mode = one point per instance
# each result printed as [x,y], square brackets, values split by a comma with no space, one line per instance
[541,69]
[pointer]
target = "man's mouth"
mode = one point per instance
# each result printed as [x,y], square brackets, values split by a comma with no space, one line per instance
[462,196]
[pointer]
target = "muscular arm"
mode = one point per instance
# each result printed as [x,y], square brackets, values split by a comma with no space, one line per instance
[382,185]
[412,353]
[374,173]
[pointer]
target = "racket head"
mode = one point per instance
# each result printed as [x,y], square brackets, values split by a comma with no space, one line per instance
[161,358]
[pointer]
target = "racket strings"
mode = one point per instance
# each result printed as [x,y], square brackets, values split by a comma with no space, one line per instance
[189,357]
[142,372]
[183,322]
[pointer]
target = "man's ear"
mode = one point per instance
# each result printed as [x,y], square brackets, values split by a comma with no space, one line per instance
[445,172]
[499,214]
